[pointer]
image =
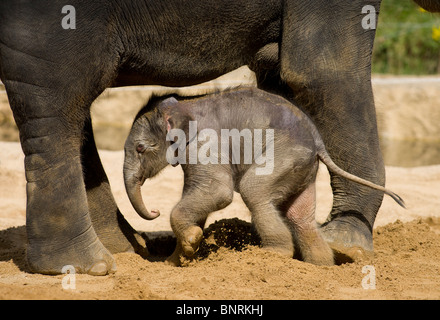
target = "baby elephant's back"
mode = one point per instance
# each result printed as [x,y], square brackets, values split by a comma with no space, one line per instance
[293,130]
[294,143]
[270,117]
[262,114]
[251,108]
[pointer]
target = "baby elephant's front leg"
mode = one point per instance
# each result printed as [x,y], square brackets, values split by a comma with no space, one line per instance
[188,234]
[206,190]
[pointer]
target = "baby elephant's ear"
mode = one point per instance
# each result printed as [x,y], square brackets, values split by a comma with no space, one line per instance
[169,101]
[176,116]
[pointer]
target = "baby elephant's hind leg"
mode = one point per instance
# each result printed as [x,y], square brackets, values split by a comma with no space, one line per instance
[269,222]
[272,228]
[301,216]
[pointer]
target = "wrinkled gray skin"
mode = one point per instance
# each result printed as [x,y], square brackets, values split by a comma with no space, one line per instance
[282,203]
[53,75]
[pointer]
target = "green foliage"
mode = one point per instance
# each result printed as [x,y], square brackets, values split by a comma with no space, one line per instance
[407,39]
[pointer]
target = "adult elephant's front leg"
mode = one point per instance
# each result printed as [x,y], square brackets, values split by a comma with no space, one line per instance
[326,60]
[112,228]
[58,224]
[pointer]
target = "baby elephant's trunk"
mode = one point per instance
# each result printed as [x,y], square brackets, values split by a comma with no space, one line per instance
[133,187]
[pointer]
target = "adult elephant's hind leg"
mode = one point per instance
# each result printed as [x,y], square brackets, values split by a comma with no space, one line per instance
[58,224]
[326,60]
[112,228]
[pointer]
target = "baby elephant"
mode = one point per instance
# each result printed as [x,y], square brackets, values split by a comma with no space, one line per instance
[246,140]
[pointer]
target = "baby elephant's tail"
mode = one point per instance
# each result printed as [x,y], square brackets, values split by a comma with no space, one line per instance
[325,158]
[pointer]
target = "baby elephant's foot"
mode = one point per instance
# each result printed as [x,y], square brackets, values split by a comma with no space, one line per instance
[283,251]
[187,246]
[318,254]
[174,259]
[191,240]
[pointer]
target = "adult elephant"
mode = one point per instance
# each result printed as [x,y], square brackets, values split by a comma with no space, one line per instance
[53,74]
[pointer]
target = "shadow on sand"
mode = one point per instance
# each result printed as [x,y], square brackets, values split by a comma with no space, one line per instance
[230,233]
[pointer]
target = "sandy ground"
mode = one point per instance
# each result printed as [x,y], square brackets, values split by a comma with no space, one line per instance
[406,264]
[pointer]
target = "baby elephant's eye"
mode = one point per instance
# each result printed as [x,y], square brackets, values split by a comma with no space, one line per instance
[141,148]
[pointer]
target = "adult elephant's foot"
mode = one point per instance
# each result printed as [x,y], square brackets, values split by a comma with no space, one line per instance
[85,253]
[349,238]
